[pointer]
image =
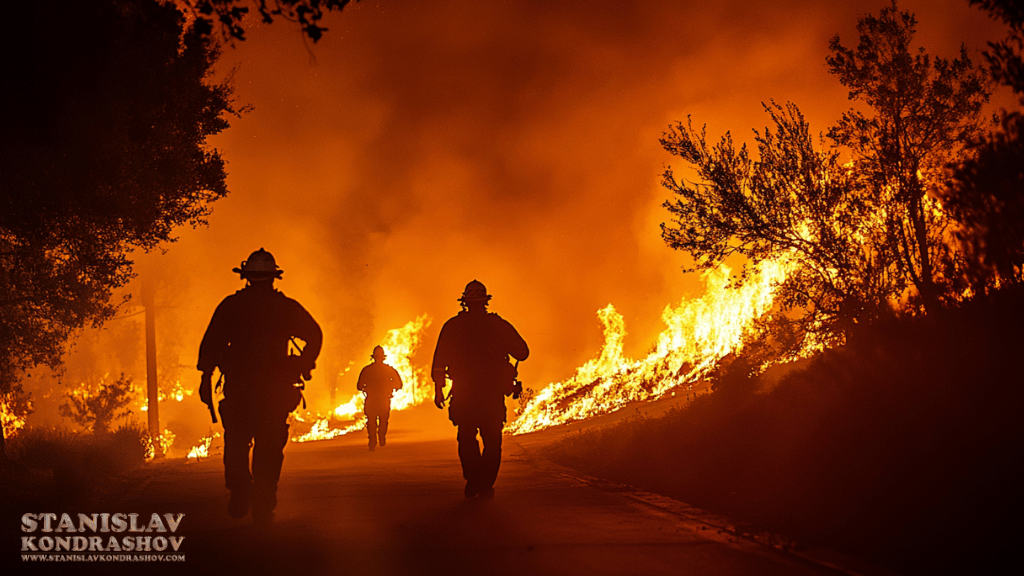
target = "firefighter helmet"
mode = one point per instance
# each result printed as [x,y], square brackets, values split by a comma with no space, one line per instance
[259,265]
[475,292]
[378,353]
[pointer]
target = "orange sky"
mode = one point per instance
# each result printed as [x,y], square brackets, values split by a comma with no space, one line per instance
[420,145]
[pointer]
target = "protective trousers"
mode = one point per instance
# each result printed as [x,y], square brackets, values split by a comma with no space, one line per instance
[480,468]
[263,430]
[377,427]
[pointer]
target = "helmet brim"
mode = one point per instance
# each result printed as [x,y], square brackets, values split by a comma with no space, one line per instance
[258,274]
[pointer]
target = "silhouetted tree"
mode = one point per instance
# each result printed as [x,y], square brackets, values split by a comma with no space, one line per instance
[1004,57]
[106,111]
[795,202]
[922,114]
[228,14]
[987,194]
[97,408]
[856,234]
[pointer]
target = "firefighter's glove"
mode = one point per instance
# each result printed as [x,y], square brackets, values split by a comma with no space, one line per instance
[206,389]
[438,398]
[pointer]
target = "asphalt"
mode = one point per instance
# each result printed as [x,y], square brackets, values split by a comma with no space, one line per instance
[401,510]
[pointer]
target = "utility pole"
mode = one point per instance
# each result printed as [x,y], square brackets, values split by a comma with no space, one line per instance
[152,390]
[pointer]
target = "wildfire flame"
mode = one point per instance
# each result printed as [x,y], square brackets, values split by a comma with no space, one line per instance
[698,334]
[10,421]
[399,346]
[158,445]
[322,430]
[177,393]
[350,409]
[202,449]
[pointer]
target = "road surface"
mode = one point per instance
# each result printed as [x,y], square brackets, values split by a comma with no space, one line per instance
[400,510]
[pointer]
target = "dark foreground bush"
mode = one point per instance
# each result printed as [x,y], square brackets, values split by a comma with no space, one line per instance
[79,462]
[905,447]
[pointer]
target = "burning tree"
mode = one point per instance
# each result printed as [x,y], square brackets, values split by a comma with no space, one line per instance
[865,237]
[15,406]
[796,204]
[987,195]
[924,115]
[103,151]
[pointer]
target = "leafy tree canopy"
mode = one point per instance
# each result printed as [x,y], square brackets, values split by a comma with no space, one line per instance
[923,112]
[795,202]
[987,193]
[106,112]
[863,238]
[228,14]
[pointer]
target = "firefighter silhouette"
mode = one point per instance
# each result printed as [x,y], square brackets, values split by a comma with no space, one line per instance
[378,382]
[474,350]
[248,341]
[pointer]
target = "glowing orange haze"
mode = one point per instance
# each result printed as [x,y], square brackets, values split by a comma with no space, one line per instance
[421,145]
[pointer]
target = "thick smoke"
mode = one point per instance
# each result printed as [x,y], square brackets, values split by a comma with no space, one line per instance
[420,145]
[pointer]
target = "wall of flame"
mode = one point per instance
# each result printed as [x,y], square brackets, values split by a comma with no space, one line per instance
[419,146]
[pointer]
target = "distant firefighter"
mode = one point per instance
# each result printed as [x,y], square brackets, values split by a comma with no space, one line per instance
[378,382]
[474,350]
[248,340]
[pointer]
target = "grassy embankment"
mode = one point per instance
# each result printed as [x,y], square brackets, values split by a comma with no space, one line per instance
[905,447]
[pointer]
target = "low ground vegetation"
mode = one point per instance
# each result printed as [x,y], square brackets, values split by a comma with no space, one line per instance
[902,447]
[56,466]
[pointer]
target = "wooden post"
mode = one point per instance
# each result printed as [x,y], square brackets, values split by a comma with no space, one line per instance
[152,390]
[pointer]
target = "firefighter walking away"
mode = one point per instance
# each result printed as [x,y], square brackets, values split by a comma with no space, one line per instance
[378,383]
[474,350]
[248,341]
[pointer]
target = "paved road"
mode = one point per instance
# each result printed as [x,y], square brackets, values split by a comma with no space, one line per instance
[400,510]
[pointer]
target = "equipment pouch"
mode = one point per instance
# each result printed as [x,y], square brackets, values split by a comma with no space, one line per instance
[506,377]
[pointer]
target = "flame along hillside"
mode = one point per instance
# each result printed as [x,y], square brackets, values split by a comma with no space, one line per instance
[698,334]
